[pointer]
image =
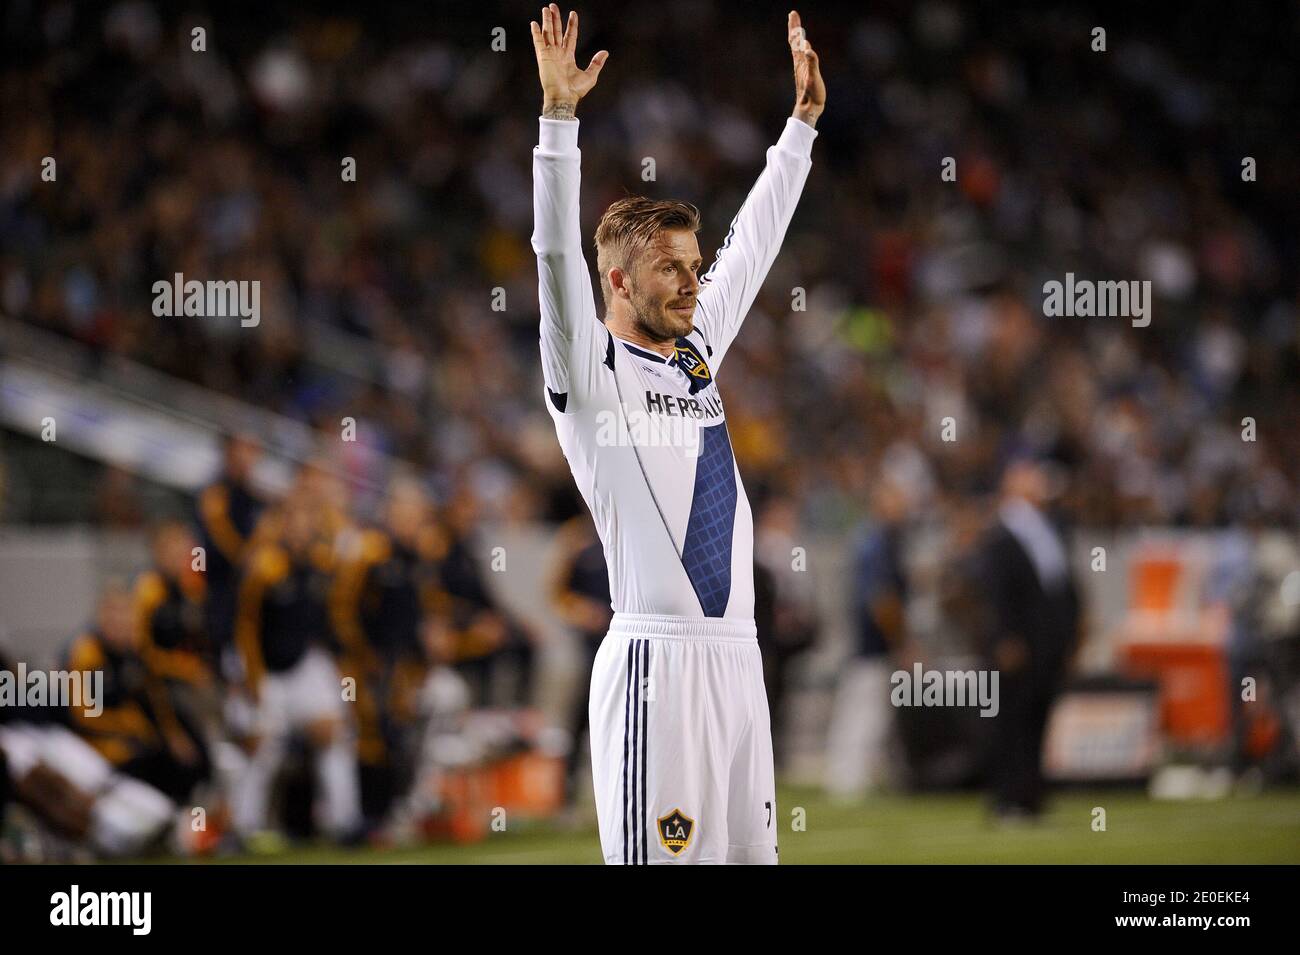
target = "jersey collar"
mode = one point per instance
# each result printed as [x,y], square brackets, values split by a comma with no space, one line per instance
[686,358]
[644,353]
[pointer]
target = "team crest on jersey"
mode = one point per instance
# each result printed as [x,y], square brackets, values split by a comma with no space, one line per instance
[690,361]
[675,831]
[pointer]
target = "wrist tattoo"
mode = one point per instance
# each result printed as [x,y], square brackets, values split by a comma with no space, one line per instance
[558,111]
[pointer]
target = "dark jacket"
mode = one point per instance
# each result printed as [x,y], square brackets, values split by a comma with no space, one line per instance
[1018,605]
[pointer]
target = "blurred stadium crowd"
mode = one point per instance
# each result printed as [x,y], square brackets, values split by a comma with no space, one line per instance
[922,295]
[923,302]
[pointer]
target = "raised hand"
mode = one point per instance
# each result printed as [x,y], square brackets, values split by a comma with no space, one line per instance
[563,84]
[809,90]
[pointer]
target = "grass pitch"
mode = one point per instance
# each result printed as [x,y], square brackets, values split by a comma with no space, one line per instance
[947,828]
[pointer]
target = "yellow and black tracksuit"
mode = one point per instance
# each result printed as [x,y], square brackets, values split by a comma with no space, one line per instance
[283,609]
[175,643]
[227,513]
[580,578]
[383,594]
[138,730]
[462,598]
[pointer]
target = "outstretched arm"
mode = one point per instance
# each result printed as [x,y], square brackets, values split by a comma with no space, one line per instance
[569,321]
[728,288]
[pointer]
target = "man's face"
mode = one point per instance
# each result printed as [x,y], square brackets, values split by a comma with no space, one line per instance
[891,502]
[172,549]
[300,524]
[241,457]
[1028,481]
[406,512]
[116,620]
[666,285]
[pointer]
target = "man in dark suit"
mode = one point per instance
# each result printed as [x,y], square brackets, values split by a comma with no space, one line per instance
[1031,634]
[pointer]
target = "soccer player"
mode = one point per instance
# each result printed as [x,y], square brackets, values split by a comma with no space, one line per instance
[169,601]
[227,512]
[380,604]
[680,733]
[580,597]
[137,729]
[70,786]
[287,645]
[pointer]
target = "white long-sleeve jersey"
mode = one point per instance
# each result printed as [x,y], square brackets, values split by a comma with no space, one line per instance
[646,436]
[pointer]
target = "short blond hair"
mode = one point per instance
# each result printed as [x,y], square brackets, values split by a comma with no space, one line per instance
[629,227]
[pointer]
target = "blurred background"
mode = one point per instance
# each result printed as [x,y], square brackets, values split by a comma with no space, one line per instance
[370,470]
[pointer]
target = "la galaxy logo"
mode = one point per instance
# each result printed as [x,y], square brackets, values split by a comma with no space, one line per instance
[675,831]
[691,362]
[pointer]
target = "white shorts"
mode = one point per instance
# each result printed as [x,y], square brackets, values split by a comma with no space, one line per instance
[308,691]
[681,743]
[25,745]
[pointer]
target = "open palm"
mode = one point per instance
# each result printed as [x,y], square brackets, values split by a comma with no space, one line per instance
[809,88]
[562,81]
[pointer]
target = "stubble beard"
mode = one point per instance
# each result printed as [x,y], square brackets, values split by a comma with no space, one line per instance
[654,322]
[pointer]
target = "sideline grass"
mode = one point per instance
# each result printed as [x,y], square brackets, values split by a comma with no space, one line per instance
[949,828]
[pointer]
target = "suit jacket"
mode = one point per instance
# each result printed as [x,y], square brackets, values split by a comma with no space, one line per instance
[1017,604]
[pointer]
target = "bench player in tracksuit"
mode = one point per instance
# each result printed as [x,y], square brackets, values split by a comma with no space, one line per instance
[680,732]
[169,599]
[227,512]
[580,597]
[136,727]
[381,603]
[288,650]
[70,786]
